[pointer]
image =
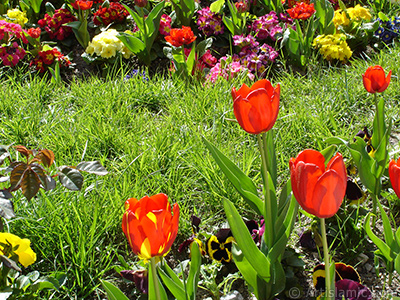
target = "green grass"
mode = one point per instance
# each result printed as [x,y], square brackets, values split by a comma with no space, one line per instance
[148,136]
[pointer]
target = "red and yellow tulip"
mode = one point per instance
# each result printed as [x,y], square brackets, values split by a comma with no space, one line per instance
[149,225]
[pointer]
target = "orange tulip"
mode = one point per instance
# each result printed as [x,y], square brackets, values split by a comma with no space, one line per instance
[374,79]
[149,225]
[394,175]
[319,190]
[256,108]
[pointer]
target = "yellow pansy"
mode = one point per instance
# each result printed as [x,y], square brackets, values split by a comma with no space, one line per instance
[21,247]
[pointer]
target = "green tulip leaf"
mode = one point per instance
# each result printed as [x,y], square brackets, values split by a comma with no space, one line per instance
[113,293]
[240,181]
[387,228]
[384,248]
[249,273]
[217,6]
[194,271]
[397,263]
[175,288]
[245,242]
[152,290]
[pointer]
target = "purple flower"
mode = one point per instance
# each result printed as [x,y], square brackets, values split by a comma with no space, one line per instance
[351,290]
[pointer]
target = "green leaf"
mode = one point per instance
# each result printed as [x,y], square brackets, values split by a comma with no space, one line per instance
[257,259]
[191,59]
[328,153]
[383,17]
[217,6]
[387,228]
[385,249]
[46,283]
[397,263]
[202,47]
[93,167]
[138,19]
[153,24]
[113,293]
[194,271]
[134,44]
[152,292]
[176,289]
[249,273]
[229,24]
[240,181]
[70,178]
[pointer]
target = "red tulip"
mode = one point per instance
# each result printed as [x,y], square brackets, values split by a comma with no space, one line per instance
[149,225]
[318,190]
[394,175]
[256,108]
[374,79]
[178,37]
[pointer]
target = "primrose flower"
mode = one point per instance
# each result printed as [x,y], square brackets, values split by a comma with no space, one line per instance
[10,243]
[114,13]
[356,14]
[107,45]
[165,25]
[210,23]
[333,46]
[16,16]
[54,24]
[149,225]
[267,26]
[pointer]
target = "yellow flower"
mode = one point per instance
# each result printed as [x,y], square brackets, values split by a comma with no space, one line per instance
[359,13]
[107,44]
[26,256]
[17,16]
[333,46]
[109,51]
[90,49]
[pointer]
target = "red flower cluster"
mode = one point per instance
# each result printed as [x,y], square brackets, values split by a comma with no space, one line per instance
[47,58]
[53,24]
[82,4]
[115,13]
[302,11]
[179,37]
[34,32]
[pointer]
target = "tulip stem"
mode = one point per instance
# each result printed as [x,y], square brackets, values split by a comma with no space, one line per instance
[267,197]
[329,292]
[155,278]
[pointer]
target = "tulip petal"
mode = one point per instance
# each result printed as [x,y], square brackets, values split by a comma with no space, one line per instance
[243,91]
[263,84]
[261,115]
[368,85]
[311,156]
[306,177]
[328,194]
[336,163]
[241,109]
[394,175]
